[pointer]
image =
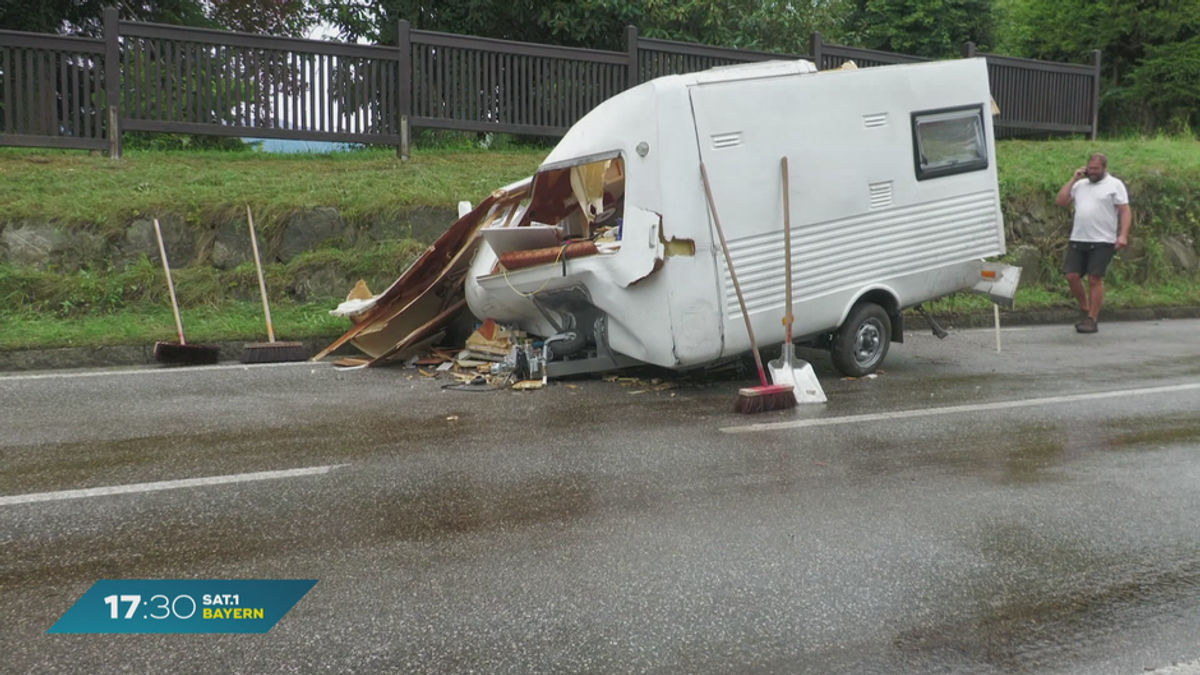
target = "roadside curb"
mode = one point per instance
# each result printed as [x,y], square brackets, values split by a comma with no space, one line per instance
[140,355]
[123,355]
[1047,317]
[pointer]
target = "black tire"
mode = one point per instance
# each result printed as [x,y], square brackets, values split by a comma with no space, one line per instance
[861,344]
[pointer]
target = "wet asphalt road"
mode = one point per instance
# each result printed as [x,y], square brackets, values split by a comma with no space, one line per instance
[590,528]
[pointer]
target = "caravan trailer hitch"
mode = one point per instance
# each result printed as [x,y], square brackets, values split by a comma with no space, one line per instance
[933,324]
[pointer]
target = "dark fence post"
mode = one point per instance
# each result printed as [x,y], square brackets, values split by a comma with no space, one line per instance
[815,48]
[1095,92]
[633,79]
[968,50]
[112,81]
[404,94]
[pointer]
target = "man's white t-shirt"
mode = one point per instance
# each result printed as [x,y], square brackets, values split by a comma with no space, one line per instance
[1096,217]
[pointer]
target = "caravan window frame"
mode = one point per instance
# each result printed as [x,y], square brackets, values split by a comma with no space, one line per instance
[925,171]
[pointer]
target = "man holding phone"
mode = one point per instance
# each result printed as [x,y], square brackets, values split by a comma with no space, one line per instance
[1102,220]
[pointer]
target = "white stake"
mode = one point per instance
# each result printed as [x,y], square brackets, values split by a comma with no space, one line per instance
[996,313]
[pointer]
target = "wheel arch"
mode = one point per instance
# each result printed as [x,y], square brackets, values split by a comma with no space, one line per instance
[886,298]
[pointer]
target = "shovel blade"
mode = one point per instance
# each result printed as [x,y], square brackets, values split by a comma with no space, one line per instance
[789,370]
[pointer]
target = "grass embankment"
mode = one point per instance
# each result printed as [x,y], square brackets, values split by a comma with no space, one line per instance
[129,306]
[75,189]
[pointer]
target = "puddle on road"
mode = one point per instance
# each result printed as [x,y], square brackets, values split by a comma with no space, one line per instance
[1142,433]
[1072,604]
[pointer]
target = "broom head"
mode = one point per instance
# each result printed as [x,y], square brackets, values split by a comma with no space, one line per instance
[174,354]
[274,352]
[765,398]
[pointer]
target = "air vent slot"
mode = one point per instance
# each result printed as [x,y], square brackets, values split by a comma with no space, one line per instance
[722,141]
[881,195]
[875,121]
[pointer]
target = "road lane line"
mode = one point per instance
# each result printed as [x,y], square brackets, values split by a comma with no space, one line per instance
[165,485]
[951,410]
[158,371]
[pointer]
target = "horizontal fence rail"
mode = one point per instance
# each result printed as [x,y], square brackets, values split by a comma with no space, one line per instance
[657,58]
[73,92]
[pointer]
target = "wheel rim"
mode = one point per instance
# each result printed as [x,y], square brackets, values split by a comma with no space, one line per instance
[868,343]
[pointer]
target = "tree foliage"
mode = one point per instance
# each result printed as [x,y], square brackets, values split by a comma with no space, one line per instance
[274,17]
[759,24]
[930,28]
[1148,47]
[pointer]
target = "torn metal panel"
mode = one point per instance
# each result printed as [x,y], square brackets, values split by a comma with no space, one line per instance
[448,254]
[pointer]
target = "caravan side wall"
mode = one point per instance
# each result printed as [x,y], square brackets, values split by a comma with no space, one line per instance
[861,219]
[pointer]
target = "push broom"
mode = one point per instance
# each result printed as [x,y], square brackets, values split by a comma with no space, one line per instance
[766,396]
[181,354]
[272,351]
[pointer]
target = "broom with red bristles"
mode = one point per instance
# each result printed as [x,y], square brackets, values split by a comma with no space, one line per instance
[766,396]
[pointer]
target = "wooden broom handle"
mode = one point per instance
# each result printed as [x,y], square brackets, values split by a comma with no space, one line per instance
[162,252]
[762,373]
[262,283]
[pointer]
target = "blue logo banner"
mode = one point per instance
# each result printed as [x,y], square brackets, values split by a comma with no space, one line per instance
[182,606]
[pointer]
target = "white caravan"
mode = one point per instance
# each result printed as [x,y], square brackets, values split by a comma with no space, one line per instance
[609,251]
[894,202]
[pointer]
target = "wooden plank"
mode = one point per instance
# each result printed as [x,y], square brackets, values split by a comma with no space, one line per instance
[63,125]
[63,142]
[363,81]
[326,102]
[426,330]
[76,99]
[230,130]
[443,88]
[311,83]
[6,65]
[449,41]
[499,127]
[27,108]
[206,36]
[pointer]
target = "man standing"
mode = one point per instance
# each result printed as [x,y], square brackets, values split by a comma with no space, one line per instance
[1102,220]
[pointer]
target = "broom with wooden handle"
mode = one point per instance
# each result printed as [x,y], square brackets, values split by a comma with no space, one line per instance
[181,353]
[272,351]
[765,396]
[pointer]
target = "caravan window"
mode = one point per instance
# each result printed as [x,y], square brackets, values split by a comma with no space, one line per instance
[946,142]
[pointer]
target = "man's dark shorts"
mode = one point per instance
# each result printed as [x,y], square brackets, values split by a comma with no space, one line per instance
[1085,257]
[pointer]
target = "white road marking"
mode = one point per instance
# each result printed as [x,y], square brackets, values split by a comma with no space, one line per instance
[164,485]
[951,410]
[160,371]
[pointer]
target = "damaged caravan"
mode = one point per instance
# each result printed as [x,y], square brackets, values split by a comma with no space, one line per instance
[609,251]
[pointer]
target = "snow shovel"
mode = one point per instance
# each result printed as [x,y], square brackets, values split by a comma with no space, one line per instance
[788,369]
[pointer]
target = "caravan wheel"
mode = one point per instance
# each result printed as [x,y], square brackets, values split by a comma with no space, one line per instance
[861,344]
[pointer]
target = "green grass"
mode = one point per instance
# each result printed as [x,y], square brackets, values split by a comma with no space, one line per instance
[236,320]
[78,189]
[1040,167]
[128,306]
[227,321]
[1178,293]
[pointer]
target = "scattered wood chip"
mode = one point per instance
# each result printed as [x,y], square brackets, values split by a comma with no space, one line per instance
[351,362]
[527,385]
[452,418]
